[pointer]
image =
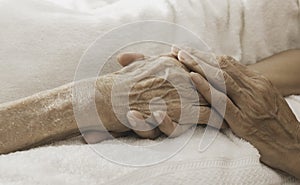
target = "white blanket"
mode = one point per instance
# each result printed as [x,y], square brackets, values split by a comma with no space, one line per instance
[42,41]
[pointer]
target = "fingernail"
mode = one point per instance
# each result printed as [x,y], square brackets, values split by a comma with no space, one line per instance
[193,74]
[159,116]
[131,119]
[175,49]
[195,78]
[139,56]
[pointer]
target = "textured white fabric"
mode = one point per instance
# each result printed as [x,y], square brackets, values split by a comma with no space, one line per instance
[229,160]
[42,41]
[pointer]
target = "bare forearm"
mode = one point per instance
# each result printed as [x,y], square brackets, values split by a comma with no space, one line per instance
[49,116]
[282,70]
[36,120]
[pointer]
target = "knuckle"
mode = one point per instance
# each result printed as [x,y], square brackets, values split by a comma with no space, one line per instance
[263,85]
[223,62]
[204,110]
[261,89]
[204,114]
[220,78]
[238,91]
[230,59]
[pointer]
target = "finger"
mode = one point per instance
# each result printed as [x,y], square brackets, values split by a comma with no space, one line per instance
[235,63]
[238,72]
[191,63]
[207,57]
[209,116]
[169,127]
[140,127]
[217,121]
[175,50]
[197,64]
[224,125]
[211,59]
[217,99]
[226,84]
[168,55]
[227,63]
[228,79]
[220,79]
[127,58]
[92,137]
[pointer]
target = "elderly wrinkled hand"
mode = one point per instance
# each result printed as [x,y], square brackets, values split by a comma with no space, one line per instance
[158,94]
[255,110]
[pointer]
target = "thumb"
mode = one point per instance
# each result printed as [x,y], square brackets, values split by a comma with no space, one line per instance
[125,59]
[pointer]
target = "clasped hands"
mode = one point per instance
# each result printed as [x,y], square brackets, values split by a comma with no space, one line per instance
[254,109]
[162,84]
[250,98]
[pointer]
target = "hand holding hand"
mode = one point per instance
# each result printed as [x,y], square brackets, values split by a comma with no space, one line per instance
[255,110]
[150,123]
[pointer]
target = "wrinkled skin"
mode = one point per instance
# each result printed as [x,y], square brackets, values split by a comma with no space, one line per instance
[140,83]
[49,115]
[255,110]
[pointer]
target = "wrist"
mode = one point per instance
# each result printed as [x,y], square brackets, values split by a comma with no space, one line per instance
[103,99]
[273,77]
[282,70]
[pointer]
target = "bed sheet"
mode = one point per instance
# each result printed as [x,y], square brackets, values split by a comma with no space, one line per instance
[43,40]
